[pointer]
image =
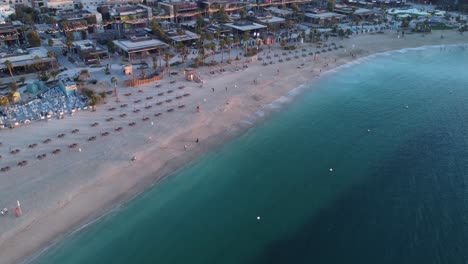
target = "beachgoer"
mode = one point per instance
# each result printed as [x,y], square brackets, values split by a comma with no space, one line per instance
[212,89]
[197,140]
[185,147]
[226,88]
[198,108]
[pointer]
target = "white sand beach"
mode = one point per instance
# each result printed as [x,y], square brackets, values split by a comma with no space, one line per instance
[65,190]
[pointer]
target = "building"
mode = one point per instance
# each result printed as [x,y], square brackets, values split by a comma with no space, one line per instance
[239,28]
[78,20]
[68,86]
[28,60]
[139,47]
[130,17]
[60,4]
[89,52]
[5,11]
[362,13]
[180,11]
[326,19]
[273,22]
[9,35]
[284,13]
[181,36]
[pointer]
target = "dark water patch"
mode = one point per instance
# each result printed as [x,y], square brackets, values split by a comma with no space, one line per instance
[412,210]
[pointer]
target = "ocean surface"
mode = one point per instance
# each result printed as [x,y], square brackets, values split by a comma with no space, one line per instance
[392,127]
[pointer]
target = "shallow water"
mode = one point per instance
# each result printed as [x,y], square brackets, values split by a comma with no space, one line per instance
[392,127]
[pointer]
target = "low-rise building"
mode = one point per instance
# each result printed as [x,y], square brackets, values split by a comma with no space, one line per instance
[5,10]
[26,60]
[60,4]
[181,36]
[68,86]
[180,11]
[89,51]
[9,35]
[326,19]
[139,47]
[239,28]
[130,17]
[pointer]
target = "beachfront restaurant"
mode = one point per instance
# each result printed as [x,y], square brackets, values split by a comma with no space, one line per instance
[327,19]
[26,60]
[139,47]
[240,27]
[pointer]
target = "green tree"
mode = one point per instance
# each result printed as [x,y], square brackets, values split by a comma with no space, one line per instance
[110,46]
[9,66]
[243,13]
[167,59]
[221,15]
[199,21]
[50,42]
[43,76]
[28,19]
[331,5]
[157,30]
[229,46]
[84,34]
[33,38]
[113,80]
[222,46]
[295,8]
[22,79]
[246,40]
[53,74]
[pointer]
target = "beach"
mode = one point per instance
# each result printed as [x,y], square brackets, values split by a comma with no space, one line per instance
[72,188]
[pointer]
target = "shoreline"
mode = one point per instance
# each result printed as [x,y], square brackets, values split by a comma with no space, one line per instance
[112,189]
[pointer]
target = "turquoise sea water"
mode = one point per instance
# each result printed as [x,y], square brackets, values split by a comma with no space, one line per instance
[397,193]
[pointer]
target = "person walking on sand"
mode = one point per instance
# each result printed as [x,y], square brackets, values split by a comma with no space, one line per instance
[197,140]
[212,89]
[226,88]
[185,147]
[198,108]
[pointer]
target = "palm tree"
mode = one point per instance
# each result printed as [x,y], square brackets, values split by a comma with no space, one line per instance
[9,66]
[114,81]
[84,72]
[38,63]
[229,45]
[167,59]
[155,64]
[53,74]
[222,46]
[184,53]
[51,54]
[202,53]
[4,101]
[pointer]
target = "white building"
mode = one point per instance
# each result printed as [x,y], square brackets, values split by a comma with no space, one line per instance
[5,11]
[60,4]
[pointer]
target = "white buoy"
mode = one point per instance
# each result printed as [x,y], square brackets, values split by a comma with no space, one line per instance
[79,150]
[331,169]
[368,130]
[407,107]
[258,218]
